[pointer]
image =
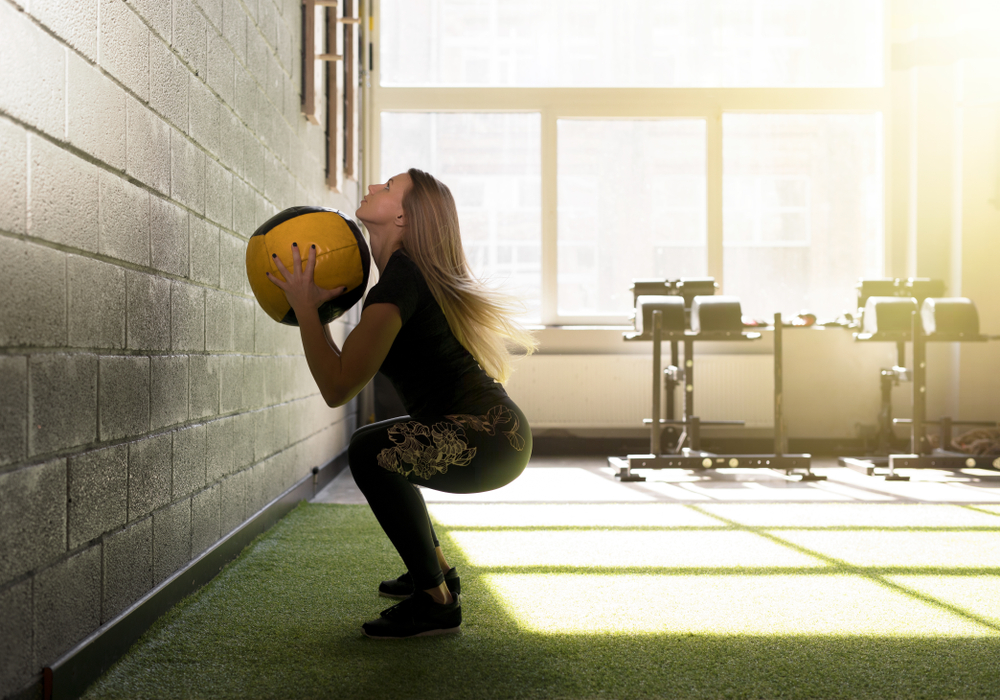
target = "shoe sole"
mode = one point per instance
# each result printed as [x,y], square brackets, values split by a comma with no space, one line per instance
[428,633]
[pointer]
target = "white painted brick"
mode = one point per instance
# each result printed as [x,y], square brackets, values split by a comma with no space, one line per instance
[267,22]
[157,14]
[252,11]
[204,251]
[33,312]
[234,26]
[168,237]
[124,46]
[124,229]
[148,147]
[276,77]
[205,117]
[231,142]
[190,35]
[213,11]
[265,209]
[258,53]
[168,84]
[13,177]
[218,194]
[63,205]
[284,46]
[187,172]
[33,66]
[74,21]
[96,115]
[253,161]
[96,303]
[220,67]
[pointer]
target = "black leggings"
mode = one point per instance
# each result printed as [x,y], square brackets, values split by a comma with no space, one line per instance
[460,453]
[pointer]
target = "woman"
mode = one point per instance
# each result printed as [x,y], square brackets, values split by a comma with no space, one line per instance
[441,338]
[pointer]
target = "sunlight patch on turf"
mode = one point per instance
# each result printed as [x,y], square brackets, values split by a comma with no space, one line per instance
[635,548]
[836,605]
[978,595]
[852,515]
[960,550]
[550,484]
[572,515]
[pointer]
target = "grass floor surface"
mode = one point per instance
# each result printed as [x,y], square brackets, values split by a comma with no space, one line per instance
[676,602]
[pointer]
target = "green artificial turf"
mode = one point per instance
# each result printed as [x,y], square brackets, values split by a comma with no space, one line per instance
[657,600]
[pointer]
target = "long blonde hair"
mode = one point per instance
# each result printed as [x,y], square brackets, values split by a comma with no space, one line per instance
[480,317]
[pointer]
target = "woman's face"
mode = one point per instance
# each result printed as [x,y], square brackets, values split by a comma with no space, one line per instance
[384,203]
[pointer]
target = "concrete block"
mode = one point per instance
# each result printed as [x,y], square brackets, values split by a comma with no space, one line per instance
[33,66]
[123,396]
[14,166]
[98,493]
[204,377]
[187,172]
[246,96]
[204,251]
[13,410]
[253,163]
[187,317]
[96,115]
[243,427]
[124,46]
[243,324]
[231,142]
[128,567]
[66,604]
[34,308]
[267,22]
[254,367]
[244,218]
[234,26]
[168,81]
[257,54]
[218,194]
[232,263]
[205,116]
[190,38]
[219,459]
[148,158]
[149,475]
[168,390]
[257,496]
[62,402]
[16,662]
[171,539]
[32,517]
[189,449]
[206,528]
[73,21]
[220,66]
[96,303]
[231,381]
[218,321]
[233,508]
[124,220]
[168,237]
[157,15]
[63,200]
[148,311]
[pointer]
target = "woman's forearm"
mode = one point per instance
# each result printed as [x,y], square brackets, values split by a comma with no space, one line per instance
[324,359]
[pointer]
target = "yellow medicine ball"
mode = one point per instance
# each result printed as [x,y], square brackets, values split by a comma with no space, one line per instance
[342,259]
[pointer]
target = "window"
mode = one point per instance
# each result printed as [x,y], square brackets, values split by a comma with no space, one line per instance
[739,139]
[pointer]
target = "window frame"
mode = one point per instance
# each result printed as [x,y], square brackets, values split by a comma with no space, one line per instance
[557,103]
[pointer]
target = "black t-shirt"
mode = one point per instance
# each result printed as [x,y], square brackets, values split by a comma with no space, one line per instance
[431,371]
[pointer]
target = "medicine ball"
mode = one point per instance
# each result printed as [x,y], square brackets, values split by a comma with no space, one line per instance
[342,259]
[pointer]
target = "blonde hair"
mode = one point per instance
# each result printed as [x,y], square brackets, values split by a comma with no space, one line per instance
[480,317]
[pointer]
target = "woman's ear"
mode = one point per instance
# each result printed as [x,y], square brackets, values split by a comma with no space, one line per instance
[400,220]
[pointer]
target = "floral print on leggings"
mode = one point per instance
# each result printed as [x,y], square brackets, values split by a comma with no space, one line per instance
[428,450]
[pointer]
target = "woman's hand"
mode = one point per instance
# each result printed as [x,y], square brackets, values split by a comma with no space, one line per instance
[299,285]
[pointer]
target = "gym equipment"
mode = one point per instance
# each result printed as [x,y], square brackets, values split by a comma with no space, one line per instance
[342,259]
[914,310]
[682,312]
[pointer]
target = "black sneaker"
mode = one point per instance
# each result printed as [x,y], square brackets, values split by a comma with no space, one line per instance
[402,587]
[417,616]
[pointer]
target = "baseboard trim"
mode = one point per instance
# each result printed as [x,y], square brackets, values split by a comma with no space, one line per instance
[75,671]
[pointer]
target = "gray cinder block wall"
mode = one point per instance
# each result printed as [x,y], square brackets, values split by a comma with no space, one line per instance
[147,405]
